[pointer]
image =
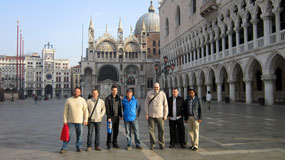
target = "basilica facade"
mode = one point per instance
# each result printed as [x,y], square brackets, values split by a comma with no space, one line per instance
[127,62]
[235,49]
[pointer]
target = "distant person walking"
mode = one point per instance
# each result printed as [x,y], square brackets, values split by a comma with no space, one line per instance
[96,109]
[209,99]
[131,110]
[75,113]
[36,99]
[193,116]
[156,110]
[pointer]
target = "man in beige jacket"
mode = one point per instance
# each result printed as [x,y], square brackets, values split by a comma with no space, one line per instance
[97,109]
[156,110]
[75,113]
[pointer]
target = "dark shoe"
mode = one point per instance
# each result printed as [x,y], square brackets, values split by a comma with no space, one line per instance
[109,147]
[88,149]
[78,150]
[195,149]
[172,146]
[162,147]
[97,148]
[116,146]
[152,147]
[62,151]
[139,147]
[191,147]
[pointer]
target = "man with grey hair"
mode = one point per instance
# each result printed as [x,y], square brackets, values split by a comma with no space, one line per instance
[156,110]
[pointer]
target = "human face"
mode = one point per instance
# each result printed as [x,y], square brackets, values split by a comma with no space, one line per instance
[129,95]
[175,93]
[77,93]
[95,94]
[191,93]
[156,88]
[114,91]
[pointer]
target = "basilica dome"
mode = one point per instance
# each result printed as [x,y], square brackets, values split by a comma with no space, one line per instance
[151,20]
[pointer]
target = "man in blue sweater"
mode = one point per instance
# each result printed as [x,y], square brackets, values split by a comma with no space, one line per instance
[131,113]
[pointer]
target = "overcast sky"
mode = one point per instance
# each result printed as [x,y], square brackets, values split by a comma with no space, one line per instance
[60,23]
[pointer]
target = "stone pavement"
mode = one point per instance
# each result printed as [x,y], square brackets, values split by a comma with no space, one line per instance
[228,131]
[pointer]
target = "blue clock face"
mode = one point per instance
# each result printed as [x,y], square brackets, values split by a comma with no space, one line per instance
[49,76]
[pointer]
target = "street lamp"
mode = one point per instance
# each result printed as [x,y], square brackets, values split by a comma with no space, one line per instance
[165,69]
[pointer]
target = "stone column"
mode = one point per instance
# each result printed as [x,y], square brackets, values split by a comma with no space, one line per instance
[237,39]
[267,26]
[277,11]
[212,50]
[200,91]
[170,90]
[248,90]
[268,89]
[185,92]
[245,26]
[217,48]
[223,45]
[219,91]
[208,87]
[230,33]
[180,91]
[254,23]
[232,87]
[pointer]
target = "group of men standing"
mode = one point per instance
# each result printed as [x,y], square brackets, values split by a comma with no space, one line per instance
[157,109]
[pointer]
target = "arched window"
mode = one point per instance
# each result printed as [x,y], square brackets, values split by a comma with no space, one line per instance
[282,15]
[154,51]
[154,43]
[278,82]
[167,27]
[194,6]
[178,16]
[260,30]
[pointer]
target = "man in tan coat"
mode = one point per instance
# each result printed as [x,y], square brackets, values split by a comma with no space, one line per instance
[156,110]
[75,113]
[97,109]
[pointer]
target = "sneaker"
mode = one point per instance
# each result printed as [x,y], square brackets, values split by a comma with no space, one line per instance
[129,148]
[97,148]
[139,147]
[116,146]
[78,150]
[191,147]
[195,149]
[62,151]
[88,149]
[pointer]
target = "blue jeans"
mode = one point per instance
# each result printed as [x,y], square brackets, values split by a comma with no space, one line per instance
[91,127]
[135,126]
[78,129]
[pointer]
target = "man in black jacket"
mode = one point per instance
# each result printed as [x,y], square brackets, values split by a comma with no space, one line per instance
[175,116]
[114,114]
[193,116]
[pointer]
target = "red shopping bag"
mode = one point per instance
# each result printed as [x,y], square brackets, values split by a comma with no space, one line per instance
[65,133]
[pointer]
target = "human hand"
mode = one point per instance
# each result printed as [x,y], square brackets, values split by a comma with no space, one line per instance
[199,121]
[85,123]
[146,117]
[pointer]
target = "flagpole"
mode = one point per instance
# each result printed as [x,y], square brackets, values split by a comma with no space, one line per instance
[17,53]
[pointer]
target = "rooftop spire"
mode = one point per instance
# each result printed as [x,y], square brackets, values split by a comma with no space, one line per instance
[91,23]
[106,28]
[151,8]
[120,28]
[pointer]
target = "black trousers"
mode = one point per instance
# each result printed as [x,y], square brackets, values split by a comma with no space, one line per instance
[91,126]
[173,126]
[115,131]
